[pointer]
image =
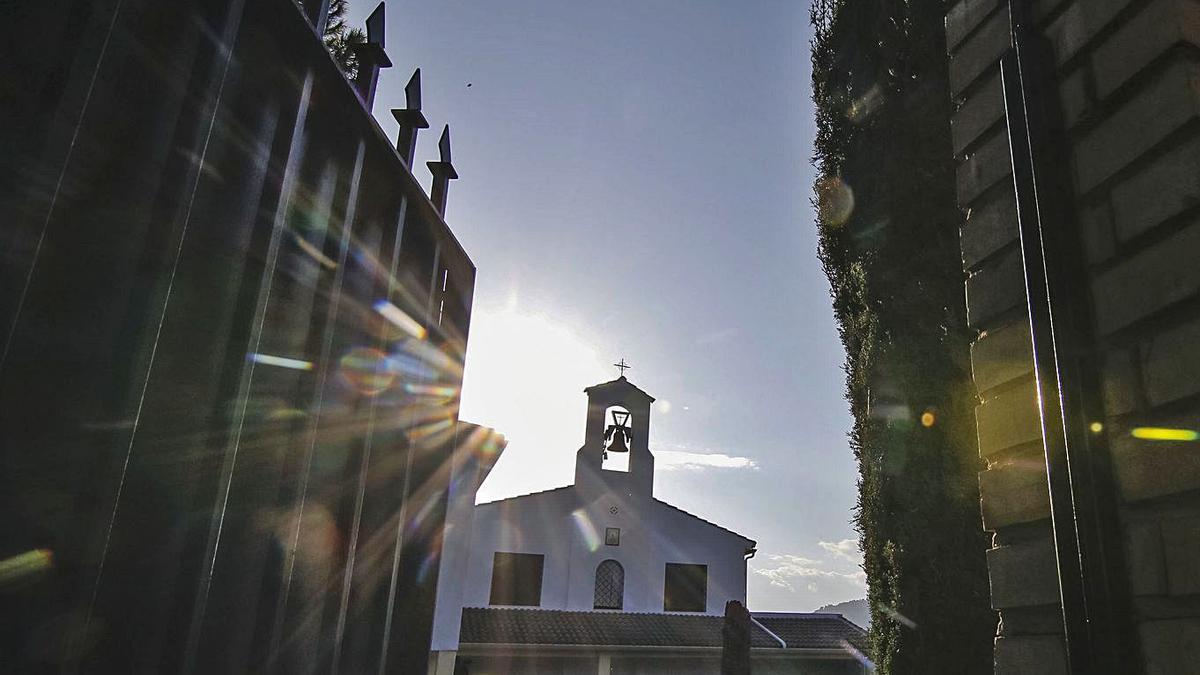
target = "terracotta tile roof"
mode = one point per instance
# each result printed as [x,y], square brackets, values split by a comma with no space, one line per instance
[504,625]
[813,631]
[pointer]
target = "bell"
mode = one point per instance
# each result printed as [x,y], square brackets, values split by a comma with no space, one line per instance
[617,442]
[618,434]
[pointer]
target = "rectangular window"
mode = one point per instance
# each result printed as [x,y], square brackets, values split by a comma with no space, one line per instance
[612,536]
[685,588]
[517,579]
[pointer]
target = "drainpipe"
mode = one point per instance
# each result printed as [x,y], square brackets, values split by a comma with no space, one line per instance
[768,631]
[1093,586]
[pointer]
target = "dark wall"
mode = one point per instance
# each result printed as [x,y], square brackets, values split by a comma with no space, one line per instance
[184,186]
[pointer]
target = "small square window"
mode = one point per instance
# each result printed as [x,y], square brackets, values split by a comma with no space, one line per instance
[612,536]
[517,579]
[685,588]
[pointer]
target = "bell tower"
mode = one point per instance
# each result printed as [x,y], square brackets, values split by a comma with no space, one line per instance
[615,456]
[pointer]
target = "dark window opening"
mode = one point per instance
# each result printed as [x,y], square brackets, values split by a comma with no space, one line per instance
[685,588]
[517,579]
[610,585]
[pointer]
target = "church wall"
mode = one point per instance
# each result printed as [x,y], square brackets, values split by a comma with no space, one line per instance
[1129,91]
[476,451]
[571,536]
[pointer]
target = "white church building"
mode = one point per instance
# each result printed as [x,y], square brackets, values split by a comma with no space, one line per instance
[601,576]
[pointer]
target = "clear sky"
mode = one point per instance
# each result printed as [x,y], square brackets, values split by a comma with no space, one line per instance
[635,183]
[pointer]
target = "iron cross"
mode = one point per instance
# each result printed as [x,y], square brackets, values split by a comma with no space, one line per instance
[623,366]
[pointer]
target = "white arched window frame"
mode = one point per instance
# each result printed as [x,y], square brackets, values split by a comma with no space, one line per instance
[610,585]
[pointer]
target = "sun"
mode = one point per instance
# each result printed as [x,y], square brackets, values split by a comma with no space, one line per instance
[525,374]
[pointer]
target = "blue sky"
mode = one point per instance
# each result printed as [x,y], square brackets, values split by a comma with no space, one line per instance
[635,183]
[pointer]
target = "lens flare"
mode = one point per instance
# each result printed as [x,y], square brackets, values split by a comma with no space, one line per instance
[400,319]
[858,655]
[403,363]
[431,390]
[315,253]
[835,200]
[418,519]
[280,361]
[897,616]
[1162,434]
[428,564]
[426,431]
[1096,427]
[584,524]
[866,105]
[285,413]
[25,565]
[366,370]
[928,419]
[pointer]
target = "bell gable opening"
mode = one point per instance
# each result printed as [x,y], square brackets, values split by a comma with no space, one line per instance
[618,435]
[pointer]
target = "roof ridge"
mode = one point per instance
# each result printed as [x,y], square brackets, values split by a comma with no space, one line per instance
[705,520]
[591,612]
[527,494]
[620,380]
[798,615]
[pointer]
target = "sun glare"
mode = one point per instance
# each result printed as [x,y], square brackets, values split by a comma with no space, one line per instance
[525,376]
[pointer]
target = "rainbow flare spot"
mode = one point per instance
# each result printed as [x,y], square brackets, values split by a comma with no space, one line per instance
[1163,434]
[584,524]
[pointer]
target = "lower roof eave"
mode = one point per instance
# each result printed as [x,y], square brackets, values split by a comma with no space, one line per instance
[497,648]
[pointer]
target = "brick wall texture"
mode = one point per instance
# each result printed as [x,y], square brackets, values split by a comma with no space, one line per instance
[1129,84]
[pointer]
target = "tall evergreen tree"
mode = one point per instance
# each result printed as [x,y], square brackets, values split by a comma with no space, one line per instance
[888,240]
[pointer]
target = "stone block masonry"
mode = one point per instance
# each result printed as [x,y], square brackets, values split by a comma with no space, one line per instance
[1129,89]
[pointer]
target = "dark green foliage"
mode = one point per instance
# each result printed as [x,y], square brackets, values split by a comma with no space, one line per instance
[896,282]
[340,38]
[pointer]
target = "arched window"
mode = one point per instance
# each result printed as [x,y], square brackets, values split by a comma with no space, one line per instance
[610,585]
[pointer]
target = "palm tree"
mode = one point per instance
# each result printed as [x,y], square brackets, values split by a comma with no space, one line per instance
[340,39]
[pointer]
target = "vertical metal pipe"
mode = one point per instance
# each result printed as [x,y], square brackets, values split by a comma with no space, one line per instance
[1046,372]
[1083,502]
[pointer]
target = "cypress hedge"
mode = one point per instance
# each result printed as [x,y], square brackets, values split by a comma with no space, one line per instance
[888,241]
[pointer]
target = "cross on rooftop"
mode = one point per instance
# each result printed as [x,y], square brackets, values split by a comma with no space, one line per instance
[623,366]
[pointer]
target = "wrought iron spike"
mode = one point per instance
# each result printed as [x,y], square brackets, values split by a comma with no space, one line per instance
[412,91]
[375,26]
[444,144]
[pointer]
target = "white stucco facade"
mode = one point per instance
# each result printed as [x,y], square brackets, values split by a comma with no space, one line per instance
[567,527]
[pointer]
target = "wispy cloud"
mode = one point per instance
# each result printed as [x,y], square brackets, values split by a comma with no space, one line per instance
[846,548]
[671,460]
[788,571]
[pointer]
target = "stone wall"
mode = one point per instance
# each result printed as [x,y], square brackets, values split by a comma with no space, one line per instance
[1129,82]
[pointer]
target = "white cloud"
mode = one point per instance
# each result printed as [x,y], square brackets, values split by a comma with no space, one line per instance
[846,548]
[784,570]
[670,460]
